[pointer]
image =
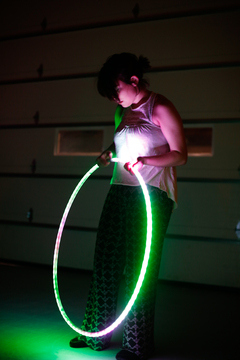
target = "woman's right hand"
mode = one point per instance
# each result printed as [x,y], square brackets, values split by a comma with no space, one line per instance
[104,159]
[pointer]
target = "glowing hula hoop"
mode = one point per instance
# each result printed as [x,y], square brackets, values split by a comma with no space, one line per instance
[144,264]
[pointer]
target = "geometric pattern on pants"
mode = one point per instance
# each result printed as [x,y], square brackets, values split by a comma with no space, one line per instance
[120,246]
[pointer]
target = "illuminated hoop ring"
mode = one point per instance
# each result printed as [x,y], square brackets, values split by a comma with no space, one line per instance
[144,264]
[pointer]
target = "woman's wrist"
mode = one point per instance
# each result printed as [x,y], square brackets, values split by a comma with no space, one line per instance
[142,159]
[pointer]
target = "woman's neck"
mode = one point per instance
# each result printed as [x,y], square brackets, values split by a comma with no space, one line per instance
[141,98]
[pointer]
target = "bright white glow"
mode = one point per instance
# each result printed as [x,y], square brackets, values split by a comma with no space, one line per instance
[144,264]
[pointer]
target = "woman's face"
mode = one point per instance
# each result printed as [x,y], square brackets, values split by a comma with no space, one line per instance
[127,93]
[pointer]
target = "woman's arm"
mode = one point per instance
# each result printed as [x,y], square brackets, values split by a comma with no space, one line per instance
[105,158]
[167,117]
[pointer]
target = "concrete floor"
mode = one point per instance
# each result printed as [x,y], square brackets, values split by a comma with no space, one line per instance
[192,322]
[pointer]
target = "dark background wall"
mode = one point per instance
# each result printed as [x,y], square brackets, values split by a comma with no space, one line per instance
[50,53]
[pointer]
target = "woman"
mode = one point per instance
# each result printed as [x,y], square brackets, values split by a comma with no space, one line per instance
[149,137]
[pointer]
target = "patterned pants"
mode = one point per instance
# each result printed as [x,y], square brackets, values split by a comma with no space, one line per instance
[120,245]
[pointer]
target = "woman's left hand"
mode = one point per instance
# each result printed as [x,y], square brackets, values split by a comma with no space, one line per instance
[136,166]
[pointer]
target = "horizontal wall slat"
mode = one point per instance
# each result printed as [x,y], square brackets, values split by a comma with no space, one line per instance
[108,177]
[111,124]
[205,209]
[214,65]
[214,263]
[44,18]
[60,102]
[38,145]
[205,262]
[61,55]
[36,245]
[48,199]
[195,93]
[94,230]
[47,226]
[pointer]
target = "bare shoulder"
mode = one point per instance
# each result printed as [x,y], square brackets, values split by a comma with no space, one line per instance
[164,111]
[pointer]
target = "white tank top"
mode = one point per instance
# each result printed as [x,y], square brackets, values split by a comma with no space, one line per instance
[137,136]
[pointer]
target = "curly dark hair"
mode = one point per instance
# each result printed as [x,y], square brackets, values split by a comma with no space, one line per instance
[121,67]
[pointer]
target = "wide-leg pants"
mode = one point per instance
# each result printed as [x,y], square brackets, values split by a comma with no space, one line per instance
[120,246]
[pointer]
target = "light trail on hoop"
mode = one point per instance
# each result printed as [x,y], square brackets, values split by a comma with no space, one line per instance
[144,263]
